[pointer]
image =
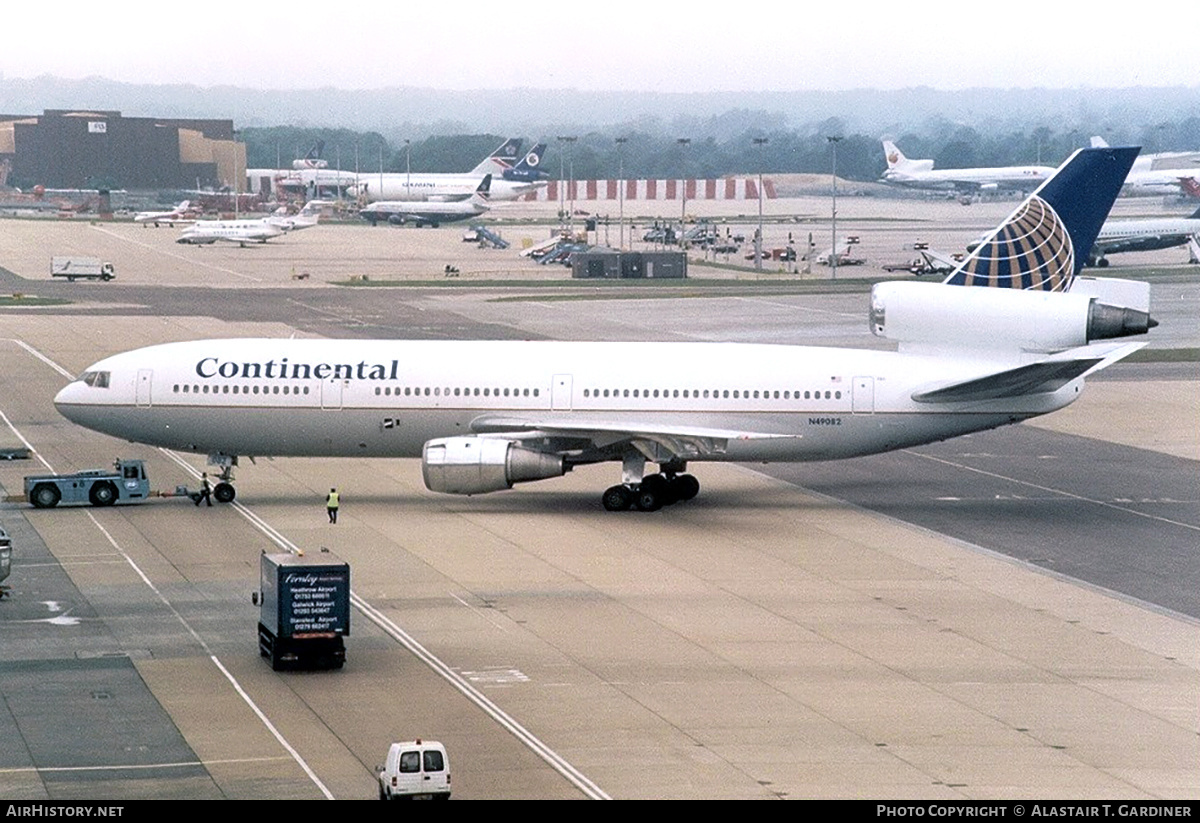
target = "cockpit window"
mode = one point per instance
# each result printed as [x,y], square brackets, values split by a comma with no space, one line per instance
[95,379]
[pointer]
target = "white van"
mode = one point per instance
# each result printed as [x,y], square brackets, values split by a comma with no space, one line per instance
[417,770]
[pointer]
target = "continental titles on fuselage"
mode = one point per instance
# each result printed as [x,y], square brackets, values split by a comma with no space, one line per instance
[211,367]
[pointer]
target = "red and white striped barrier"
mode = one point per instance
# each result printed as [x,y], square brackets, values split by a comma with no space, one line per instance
[727,188]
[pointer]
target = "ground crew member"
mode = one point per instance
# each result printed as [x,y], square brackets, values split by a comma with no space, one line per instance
[331,505]
[205,491]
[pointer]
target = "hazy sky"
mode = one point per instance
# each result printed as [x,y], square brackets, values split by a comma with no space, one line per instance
[605,44]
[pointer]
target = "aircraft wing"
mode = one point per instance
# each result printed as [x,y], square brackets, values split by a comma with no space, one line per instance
[1042,377]
[651,439]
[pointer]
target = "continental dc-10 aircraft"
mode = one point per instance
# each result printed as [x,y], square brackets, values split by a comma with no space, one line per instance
[1003,339]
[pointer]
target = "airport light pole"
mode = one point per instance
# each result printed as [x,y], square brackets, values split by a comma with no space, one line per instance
[683,142]
[833,141]
[621,141]
[760,142]
[407,169]
[565,140]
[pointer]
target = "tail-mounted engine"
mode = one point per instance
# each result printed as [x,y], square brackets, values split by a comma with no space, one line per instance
[1033,321]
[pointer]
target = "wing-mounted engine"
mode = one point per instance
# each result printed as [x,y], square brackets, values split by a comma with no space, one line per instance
[947,316]
[474,465]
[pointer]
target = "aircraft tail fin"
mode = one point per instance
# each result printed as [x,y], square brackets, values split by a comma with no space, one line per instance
[1190,186]
[501,159]
[1044,244]
[895,158]
[483,190]
[529,167]
[312,160]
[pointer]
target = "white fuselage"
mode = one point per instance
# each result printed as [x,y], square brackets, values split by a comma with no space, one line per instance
[386,398]
[1158,181]
[435,187]
[1160,233]
[232,231]
[1014,177]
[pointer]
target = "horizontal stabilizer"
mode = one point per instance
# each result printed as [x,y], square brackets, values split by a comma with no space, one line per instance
[1042,377]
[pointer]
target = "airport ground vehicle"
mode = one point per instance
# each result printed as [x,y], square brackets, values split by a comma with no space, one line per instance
[91,268]
[304,610]
[125,482]
[415,770]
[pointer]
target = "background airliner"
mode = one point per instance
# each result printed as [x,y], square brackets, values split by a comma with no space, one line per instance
[514,182]
[1143,235]
[920,174]
[1008,336]
[429,213]
[312,177]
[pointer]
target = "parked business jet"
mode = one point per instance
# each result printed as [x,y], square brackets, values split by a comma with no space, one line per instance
[516,181]
[206,232]
[920,174]
[1003,339]
[306,218]
[429,213]
[1143,235]
[183,213]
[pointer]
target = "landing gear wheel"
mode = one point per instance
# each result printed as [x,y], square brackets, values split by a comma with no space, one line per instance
[45,496]
[649,497]
[103,494]
[224,492]
[685,487]
[660,487]
[616,499]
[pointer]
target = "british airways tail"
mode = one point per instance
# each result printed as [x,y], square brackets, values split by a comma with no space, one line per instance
[501,159]
[1044,244]
[312,160]
[529,169]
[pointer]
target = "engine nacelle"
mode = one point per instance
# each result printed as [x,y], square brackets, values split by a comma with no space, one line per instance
[982,317]
[474,465]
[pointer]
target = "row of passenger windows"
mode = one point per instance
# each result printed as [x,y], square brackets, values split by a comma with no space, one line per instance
[715,394]
[427,391]
[235,389]
[410,391]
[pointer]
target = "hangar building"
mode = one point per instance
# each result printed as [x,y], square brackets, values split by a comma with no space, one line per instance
[85,149]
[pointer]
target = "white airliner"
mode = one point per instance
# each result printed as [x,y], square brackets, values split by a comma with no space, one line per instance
[315,181]
[920,174]
[429,213]
[1000,341]
[183,213]
[511,184]
[1162,160]
[1143,235]
[205,232]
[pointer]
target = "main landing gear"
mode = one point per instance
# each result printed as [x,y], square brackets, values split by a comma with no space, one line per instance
[654,492]
[649,493]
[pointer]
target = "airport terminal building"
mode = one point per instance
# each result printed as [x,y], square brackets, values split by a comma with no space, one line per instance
[95,149]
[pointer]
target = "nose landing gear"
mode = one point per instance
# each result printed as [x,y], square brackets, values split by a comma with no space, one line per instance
[223,491]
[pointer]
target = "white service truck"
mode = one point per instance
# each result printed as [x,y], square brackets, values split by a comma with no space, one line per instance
[91,268]
[415,770]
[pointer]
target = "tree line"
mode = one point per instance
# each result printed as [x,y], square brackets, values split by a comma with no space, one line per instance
[641,154]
